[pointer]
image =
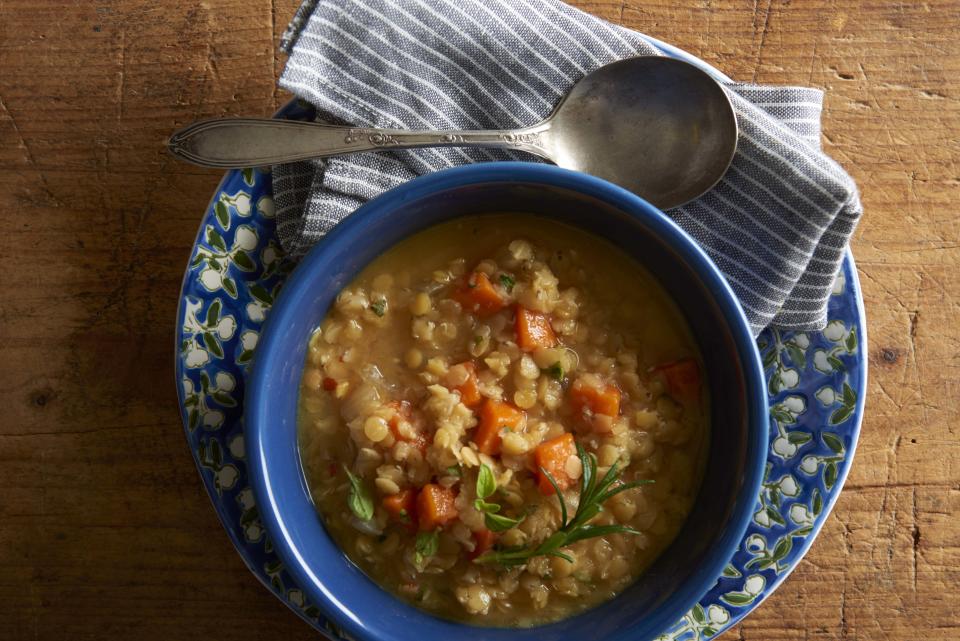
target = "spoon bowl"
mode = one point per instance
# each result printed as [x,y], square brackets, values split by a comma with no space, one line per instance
[658,126]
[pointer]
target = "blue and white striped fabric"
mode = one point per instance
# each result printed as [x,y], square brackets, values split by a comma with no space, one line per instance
[777,225]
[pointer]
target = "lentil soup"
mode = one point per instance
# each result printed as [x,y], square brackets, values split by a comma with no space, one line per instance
[467,376]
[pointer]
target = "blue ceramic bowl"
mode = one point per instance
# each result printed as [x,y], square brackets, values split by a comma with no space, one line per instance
[686,570]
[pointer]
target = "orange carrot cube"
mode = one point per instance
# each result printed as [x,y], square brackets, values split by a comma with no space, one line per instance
[533,330]
[552,456]
[598,398]
[683,378]
[470,389]
[479,296]
[435,506]
[496,416]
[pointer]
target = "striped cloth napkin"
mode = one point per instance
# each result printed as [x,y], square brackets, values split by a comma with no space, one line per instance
[777,225]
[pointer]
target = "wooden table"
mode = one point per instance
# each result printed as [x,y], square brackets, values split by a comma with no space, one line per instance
[105,531]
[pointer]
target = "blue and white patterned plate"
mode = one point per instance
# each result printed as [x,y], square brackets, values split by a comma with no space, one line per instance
[816,381]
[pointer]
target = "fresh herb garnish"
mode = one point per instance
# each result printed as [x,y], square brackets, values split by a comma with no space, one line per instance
[486,483]
[486,486]
[379,307]
[508,282]
[499,522]
[425,546]
[555,371]
[486,508]
[454,470]
[359,500]
[593,494]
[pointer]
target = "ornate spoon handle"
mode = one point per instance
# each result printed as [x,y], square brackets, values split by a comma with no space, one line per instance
[256,142]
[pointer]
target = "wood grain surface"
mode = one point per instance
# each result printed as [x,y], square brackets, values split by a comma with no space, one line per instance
[105,530]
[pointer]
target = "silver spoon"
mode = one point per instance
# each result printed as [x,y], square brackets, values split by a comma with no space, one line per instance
[657,126]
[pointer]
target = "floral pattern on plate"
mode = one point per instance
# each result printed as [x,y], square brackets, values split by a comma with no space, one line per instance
[816,383]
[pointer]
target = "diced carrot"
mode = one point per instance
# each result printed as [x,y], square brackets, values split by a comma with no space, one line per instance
[683,378]
[329,384]
[484,541]
[435,506]
[533,330]
[599,399]
[470,389]
[496,416]
[479,296]
[402,507]
[403,411]
[552,456]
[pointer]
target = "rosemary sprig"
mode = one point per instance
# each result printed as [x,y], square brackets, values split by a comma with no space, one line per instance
[594,492]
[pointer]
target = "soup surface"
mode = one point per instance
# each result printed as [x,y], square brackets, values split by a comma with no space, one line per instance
[467,375]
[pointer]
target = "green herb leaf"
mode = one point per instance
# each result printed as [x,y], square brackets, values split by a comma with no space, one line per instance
[563,503]
[593,493]
[508,282]
[591,531]
[499,523]
[359,501]
[561,555]
[555,371]
[454,470]
[486,483]
[379,307]
[623,487]
[425,546]
[487,508]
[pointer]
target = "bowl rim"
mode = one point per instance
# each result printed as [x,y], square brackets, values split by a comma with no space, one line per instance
[351,230]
